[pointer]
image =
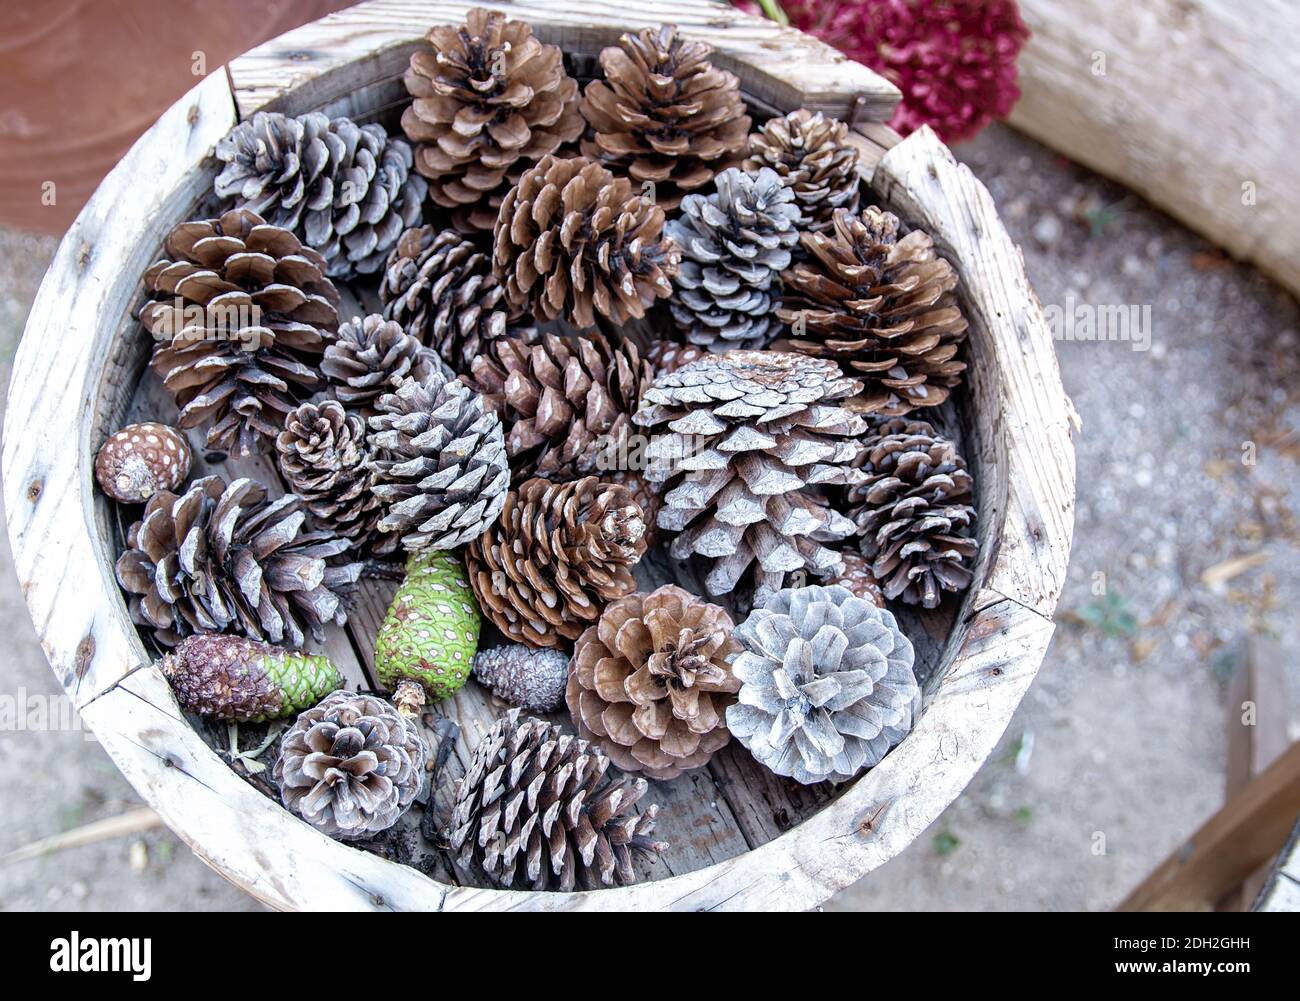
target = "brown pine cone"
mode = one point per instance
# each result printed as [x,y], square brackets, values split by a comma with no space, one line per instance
[557,554]
[814,159]
[567,402]
[573,242]
[882,306]
[669,356]
[858,579]
[664,113]
[650,683]
[267,313]
[367,359]
[645,493]
[914,511]
[490,100]
[440,288]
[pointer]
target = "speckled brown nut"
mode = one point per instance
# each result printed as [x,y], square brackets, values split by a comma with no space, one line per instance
[141,459]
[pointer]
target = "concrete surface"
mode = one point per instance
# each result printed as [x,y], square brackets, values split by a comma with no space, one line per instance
[1116,754]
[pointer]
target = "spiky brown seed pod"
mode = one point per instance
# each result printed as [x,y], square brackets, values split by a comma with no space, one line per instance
[881,305]
[224,558]
[664,113]
[914,511]
[524,677]
[651,681]
[742,443]
[490,100]
[814,159]
[141,459]
[323,455]
[439,286]
[367,359]
[241,312]
[573,242]
[535,808]
[566,401]
[558,554]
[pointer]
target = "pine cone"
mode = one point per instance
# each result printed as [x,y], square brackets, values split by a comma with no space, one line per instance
[350,767]
[572,241]
[490,100]
[534,808]
[826,684]
[669,356]
[267,311]
[651,682]
[439,462]
[858,579]
[324,459]
[664,113]
[750,438]
[367,359]
[567,402]
[914,511]
[440,288]
[644,493]
[137,461]
[346,189]
[881,306]
[735,244]
[812,155]
[522,676]
[543,573]
[224,558]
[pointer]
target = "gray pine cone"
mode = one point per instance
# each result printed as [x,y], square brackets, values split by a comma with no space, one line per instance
[366,360]
[346,189]
[826,684]
[351,766]
[522,676]
[735,243]
[440,462]
[815,160]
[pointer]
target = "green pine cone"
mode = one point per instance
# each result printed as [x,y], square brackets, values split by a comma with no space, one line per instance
[244,680]
[430,633]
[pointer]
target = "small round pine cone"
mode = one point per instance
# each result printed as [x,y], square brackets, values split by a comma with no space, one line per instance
[367,359]
[573,242]
[136,462]
[858,579]
[524,677]
[814,159]
[650,683]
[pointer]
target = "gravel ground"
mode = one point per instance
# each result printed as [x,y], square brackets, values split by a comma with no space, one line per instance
[1117,752]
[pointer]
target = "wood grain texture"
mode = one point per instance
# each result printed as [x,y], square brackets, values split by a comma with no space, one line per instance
[1197,98]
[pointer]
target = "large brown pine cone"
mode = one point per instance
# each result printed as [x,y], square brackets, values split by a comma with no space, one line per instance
[914,511]
[743,443]
[490,100]
[324,457]
[368,358]
[535,809]
[650,682]
[567,402]
[224,558]
[241,312]
[882,306]
[664,113]
[439,286]
[812,155]
[558,554]
[573,242]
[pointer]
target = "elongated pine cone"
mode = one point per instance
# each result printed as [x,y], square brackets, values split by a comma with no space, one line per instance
[536,809]
[882,306]
[651,681]
[325,460]
[241,312]
[572,241]
[224,558]
[558,554]
[439,462]
[664,113]
[826,684]
[367,359]
[490,100]
[567,402]
[914,511]
[735,244]
[352,766]
[742,443]
[346,189]
[524,677]
[439,286]
[814,159]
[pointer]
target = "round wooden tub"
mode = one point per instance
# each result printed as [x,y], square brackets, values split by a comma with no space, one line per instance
[742,838]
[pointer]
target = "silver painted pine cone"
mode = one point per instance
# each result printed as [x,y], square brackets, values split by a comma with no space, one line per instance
[522,676]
